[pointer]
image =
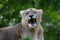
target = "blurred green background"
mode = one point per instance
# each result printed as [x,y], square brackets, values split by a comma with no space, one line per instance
[9,14]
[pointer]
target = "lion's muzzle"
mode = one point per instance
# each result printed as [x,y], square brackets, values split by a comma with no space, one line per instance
[32,21]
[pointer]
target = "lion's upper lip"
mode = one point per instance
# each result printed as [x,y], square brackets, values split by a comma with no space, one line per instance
[32,21]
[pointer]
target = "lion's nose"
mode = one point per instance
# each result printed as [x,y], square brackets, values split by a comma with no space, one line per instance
[31,16]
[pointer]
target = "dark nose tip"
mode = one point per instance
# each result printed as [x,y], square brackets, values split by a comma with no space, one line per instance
[31,16]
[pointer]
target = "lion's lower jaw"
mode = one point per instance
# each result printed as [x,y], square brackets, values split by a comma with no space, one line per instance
[32,25]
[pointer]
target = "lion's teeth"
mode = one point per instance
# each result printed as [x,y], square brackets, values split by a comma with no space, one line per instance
[29,18]
[34,17]
[35,24]
[32,25]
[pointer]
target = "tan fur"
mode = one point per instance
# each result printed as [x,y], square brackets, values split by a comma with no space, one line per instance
[38,30]
[22,29]
[5,28]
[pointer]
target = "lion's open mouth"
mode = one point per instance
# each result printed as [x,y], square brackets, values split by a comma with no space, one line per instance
[32,21]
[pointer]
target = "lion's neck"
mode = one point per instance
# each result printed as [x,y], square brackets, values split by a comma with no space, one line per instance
[21,30]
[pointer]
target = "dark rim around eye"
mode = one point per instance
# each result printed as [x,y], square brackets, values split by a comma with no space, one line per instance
[26,13]
[34,12]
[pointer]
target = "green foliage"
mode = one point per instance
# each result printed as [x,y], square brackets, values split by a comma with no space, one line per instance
[25,38]
[9,15]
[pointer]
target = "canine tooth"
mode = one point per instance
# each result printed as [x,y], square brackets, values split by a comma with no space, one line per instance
[29,18]
[34,17]
[35,24]
[30,25]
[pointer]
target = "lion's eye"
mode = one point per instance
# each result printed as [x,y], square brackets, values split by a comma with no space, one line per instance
[26,13]
[34,12]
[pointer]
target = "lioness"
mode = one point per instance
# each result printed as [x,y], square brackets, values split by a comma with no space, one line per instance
[28,27]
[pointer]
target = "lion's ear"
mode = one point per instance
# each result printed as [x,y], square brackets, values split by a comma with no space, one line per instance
[22,12]
[40,11]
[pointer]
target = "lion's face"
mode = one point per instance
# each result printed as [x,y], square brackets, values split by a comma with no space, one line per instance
[31,17]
